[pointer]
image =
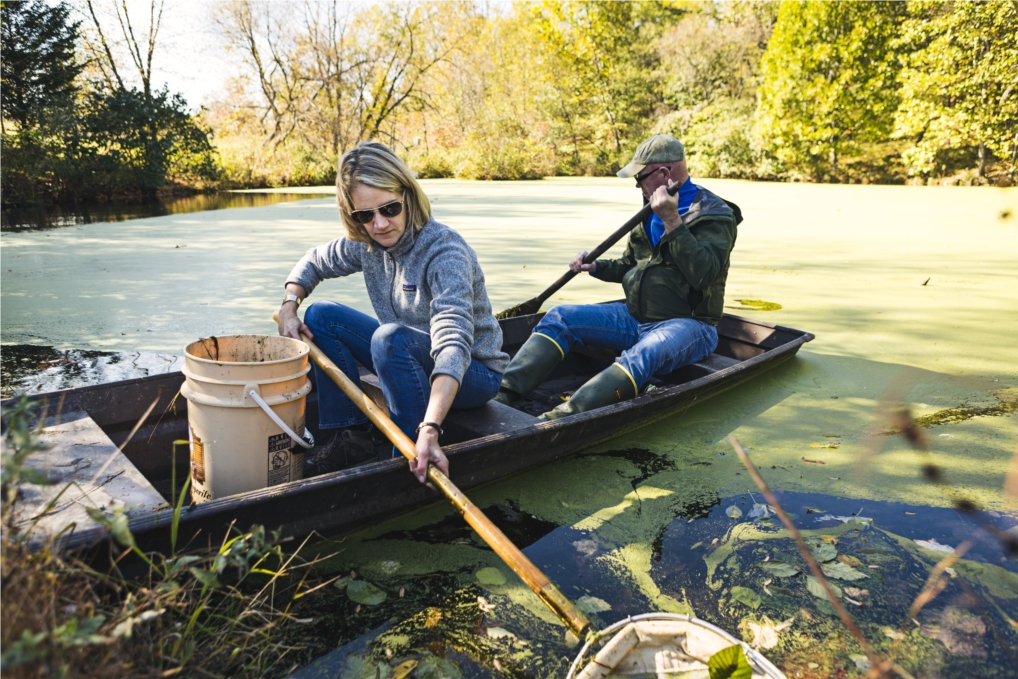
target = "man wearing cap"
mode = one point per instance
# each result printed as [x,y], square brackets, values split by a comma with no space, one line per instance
[673,273]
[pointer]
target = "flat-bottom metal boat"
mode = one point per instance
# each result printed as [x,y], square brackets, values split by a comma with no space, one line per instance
[85,426]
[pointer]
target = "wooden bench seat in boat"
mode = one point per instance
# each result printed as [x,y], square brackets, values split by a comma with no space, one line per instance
[81,458]
[461,424]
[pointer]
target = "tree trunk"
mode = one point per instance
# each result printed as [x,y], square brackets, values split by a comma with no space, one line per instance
[832,156]
[982,159]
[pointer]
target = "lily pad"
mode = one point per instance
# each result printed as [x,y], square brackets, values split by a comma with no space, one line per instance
[733,512]
[817,590]
[823,551]
[841,571]
[591,605]
[746,596]
[363,592]
[779,569]
[490,576]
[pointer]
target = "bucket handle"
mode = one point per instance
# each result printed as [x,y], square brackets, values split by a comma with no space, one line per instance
[253,393]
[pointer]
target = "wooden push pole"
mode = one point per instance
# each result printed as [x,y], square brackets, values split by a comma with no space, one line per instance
[489,532]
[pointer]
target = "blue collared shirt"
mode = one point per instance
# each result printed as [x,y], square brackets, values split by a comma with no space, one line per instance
[655,228]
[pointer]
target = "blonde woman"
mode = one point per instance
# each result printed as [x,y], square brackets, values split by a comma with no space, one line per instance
[435,344]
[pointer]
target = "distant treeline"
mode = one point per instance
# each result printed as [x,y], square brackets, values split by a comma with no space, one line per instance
[808,91]
[815,91]
[73,131]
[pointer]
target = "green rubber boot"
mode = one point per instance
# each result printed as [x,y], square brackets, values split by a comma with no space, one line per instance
[611,385]
[530,366]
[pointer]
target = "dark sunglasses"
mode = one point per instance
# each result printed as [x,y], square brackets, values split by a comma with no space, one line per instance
[389,210]
[640,177]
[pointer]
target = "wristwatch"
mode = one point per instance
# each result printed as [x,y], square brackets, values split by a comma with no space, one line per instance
[291,298]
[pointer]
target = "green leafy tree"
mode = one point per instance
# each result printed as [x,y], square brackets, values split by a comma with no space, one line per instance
[829,81]
[600,75]
[959,84]
[38,63]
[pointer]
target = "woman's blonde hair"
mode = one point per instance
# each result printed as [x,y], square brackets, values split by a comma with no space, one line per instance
[374,164]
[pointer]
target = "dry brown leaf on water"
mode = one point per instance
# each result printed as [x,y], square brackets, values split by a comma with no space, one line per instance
[402,591]
[765,633]
[767,591]
[892,633]
[852,601]
[813,461]
[806,614]
[714,542]
[497,664]
[857,593]
[483,604]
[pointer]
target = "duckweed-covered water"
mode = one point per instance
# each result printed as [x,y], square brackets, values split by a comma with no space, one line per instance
[911,293]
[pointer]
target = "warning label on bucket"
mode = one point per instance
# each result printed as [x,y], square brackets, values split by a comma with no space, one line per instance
[279,459]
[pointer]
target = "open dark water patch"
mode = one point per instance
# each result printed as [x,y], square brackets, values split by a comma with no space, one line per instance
[36,369]
[43,218]
[456,612]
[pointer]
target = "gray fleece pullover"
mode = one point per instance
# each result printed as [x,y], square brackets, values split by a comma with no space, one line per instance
[430,281]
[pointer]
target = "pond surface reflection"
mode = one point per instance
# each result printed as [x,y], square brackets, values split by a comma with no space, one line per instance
[56,217]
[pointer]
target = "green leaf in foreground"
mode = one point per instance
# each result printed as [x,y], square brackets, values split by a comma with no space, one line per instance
[778,569]
[363,592]
[341,583]
[729,663]
[817,590]
[841,571]
[745,595]
[206,578]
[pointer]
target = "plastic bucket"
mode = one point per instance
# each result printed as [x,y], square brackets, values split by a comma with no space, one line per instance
[245,412]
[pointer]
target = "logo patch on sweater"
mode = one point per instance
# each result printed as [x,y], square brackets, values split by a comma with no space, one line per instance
[409,288]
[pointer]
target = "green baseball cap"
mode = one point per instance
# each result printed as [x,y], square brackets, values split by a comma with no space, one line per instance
[661,148]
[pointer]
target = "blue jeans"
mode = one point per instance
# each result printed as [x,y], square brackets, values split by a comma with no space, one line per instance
[398,355]
[647,349]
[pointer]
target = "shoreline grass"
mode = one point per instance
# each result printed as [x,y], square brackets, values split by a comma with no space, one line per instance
[225,611]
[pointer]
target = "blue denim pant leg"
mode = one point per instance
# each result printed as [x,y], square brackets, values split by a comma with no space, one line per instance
[403,363]
[597,325]
[343,334]
[666,346]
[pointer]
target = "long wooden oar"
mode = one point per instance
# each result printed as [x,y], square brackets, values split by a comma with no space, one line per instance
[489,532]
[533,305]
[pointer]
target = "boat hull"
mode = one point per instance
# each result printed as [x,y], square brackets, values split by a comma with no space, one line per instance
[344,500]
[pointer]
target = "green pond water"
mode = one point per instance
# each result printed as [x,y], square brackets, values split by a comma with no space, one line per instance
[910,291]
